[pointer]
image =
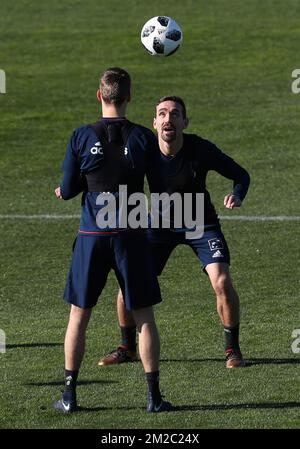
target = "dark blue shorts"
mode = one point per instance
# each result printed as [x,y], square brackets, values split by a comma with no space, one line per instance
[128,254]
[210,248]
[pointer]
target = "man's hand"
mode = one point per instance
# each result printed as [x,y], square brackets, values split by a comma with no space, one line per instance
[231,201]
[58,193]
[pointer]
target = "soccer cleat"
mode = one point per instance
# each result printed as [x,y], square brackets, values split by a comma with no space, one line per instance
[65,406]
[160,406]
[119,355]
[234,359]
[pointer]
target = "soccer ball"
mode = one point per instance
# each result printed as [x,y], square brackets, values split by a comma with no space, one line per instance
[161,36]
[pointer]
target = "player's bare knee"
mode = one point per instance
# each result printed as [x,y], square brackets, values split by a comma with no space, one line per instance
[79,314]
[223,287]
[143,316]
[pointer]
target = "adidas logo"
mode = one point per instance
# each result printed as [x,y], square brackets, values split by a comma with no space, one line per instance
[217,254]
[97,148]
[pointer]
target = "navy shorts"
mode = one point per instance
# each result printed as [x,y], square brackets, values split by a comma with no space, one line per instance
[210,248]
[128,254]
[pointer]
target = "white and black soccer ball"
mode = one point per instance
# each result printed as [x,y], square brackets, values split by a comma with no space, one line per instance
[161,36]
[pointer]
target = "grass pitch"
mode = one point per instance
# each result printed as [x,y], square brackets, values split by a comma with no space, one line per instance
[234,72]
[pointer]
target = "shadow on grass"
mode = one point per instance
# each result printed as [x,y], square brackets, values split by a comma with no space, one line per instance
[92,409]
[272,361]
[208,407]
[32,345]
[249,362]
[56,383]
[255,405]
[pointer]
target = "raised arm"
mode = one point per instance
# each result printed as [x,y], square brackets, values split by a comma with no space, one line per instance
[230,169]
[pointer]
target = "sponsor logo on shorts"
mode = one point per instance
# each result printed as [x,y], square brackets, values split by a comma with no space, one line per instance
[217,254]
[215,243]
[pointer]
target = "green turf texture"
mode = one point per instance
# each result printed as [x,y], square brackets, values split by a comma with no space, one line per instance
[234,72]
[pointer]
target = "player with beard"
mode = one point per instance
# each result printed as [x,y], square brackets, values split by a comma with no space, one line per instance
[184,162]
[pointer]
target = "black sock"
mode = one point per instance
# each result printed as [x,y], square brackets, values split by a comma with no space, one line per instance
[153,385]
[231,336]
[129,337]
[70,385]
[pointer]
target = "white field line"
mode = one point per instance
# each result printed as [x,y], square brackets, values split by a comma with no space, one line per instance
[222,217]
[37,217]
[260,217]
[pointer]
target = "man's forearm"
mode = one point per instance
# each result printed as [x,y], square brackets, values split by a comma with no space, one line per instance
[71,186]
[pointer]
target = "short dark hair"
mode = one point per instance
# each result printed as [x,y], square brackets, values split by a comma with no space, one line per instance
[176,100]
[115,85]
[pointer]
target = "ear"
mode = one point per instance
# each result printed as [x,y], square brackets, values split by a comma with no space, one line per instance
[186,123]
[99,97]
[154,123]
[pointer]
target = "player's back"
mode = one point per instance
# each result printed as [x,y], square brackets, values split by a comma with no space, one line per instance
[106,155]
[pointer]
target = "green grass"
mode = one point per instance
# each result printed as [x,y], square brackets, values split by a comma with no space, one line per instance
[234,71]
